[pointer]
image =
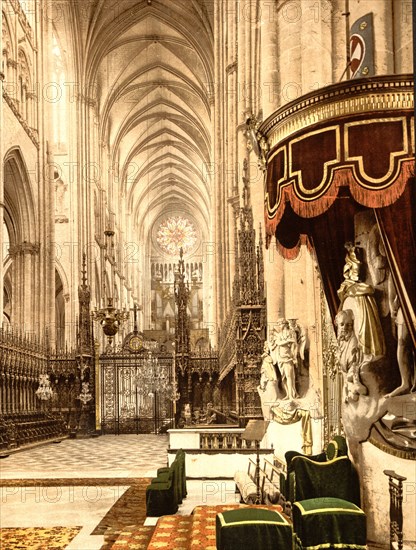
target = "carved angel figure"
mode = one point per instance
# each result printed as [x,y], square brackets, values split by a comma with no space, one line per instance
[283,349]
[268,387]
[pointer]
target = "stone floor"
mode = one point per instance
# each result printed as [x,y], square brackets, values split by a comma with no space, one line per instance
[93,475]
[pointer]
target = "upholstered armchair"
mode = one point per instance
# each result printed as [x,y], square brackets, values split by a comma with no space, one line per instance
[335,448]
[326,509]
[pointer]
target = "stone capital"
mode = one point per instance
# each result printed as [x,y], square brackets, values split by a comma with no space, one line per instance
[24,248]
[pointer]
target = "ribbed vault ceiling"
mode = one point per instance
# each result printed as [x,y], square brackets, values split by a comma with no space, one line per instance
[151,63]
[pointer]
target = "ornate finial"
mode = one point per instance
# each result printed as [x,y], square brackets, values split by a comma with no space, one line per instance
[136,308]
[84,269]
[260,236]
[246,185]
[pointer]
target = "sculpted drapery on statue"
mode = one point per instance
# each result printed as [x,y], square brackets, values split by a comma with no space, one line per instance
[282,354]
[283,350]
[268,388]
[370,333]
[350,356]
[360,345]
[374,349]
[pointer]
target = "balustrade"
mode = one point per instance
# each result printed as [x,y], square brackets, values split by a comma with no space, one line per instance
[223,440]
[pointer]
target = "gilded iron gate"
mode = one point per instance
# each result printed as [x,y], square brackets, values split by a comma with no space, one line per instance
[137,391]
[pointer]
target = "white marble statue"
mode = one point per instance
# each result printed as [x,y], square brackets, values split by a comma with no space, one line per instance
[268,387]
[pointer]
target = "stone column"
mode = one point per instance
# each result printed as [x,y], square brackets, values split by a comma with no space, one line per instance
[24,266]
[216,171]
[338,38]
[269,86]
[402,36]
[2,251]
[315,40]
[275,284]
[289,53]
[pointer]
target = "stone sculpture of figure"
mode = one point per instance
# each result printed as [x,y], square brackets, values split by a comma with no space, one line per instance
[370,333]
[268,387]
[60,190]
[283,349]
[187,414]
[382,277]
[405,358]
[300,341]
[350,356]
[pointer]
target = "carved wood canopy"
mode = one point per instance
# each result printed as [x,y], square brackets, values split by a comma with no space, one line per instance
[346,148]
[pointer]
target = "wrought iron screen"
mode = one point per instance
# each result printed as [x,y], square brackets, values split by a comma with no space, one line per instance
[136,393]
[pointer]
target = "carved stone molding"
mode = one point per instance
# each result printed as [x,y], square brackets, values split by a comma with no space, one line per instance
[31,132]
[24,248]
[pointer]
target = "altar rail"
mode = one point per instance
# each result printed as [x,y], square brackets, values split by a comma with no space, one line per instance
[224,440]
[207,438]
[214,453]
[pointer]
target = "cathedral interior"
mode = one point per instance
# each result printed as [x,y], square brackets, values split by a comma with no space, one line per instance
[208,253]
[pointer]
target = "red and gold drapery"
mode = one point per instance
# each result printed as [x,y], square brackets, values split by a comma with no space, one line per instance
[346,148]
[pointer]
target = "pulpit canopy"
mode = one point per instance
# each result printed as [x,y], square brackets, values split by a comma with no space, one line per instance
[336,152]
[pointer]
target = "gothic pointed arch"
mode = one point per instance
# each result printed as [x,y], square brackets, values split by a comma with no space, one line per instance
[20,219]
[19,196]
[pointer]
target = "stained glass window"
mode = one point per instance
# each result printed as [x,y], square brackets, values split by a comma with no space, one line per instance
[176,232]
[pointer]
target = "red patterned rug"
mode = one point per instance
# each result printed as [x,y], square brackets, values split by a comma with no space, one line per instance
[180,532]
[172,533]
[130,538]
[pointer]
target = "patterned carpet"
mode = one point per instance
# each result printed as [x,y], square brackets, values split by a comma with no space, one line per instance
[172,533]
[124,518]
[37,538]
[76,482]
[122,526]
[107,462]
[130,538]
[180,532]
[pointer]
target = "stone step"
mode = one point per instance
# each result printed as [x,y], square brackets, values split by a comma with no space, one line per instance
[172,532]
[134,537]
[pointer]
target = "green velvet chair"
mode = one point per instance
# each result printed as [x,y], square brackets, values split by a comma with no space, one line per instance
[253,528]
[168,489]
[335,448]
[160,498]
[326,509]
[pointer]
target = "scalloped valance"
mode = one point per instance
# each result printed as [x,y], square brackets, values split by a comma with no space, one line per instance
[336,152]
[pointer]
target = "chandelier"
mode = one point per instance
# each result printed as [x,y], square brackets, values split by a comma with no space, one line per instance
[152,378]
[44,391]
[110,317]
